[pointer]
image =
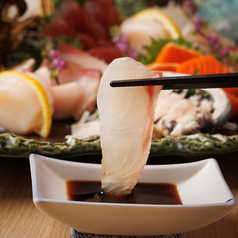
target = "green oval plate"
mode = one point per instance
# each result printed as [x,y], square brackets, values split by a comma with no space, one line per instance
[197,145]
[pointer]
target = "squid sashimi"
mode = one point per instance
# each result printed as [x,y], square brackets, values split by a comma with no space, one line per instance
[126,123]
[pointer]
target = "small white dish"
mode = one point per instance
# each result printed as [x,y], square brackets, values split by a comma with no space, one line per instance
[201,186]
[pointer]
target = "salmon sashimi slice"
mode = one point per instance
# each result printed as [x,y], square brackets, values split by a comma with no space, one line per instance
[176,53]
[204,65]
[172,67]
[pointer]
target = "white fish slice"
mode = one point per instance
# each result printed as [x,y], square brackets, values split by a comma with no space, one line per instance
[126,123]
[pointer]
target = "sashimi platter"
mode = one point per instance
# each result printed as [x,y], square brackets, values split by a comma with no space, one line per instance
[59,57]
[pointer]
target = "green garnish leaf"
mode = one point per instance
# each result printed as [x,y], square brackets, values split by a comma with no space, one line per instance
[130,7]
[57,3]
[156,46]
[196,72]
[233,57]
[75,42]
[113,30]
[46,19]
[30,48]
[192,92]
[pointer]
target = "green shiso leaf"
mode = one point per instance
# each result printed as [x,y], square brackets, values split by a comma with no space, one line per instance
[30,48]
[156,46]
[57,3]
[130,7]
[75,42]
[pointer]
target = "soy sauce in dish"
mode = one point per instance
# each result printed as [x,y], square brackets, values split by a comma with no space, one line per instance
[143,193]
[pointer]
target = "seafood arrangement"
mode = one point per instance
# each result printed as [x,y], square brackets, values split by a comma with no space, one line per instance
[73,57]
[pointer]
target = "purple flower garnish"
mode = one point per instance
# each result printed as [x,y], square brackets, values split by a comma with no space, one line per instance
[189,5]
[121,42]
[116,38]
[224,50]
[212,39]
[49,40]
[53,53]
[122,46]
[125,38]
[133,54]
[198,24]
[59,64]
[186,3]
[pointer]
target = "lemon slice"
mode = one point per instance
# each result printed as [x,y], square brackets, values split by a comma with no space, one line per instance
[161,18]
[24,104]
[147,24]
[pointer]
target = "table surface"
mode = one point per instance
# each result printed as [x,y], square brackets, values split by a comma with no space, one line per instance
[20,218]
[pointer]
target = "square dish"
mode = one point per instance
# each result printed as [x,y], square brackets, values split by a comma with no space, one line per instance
[201,186]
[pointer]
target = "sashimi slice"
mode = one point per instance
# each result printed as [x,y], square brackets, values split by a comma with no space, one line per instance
[89,85]
[207,64]
[108,54]
[191,121]
[82,21]
[185,116]
[175,53]
[170,67]
[84,130]
[166,124]
[166,100]
[61,27]
[98,8]
[88,125]
[73,55]
[126,123]
[66,99]
[78,94]
[72,74]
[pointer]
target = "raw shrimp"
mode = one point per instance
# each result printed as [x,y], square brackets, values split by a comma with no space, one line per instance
[126,123]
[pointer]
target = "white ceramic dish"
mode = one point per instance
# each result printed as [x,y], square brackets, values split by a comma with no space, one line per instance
[201,186]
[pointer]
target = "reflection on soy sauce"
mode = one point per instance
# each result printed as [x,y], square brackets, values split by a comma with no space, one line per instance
[143,193]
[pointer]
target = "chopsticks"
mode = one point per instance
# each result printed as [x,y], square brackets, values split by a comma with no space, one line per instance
[227,80]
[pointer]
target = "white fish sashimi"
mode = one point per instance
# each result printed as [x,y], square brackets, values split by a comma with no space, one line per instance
[79,57]
[185,116]
[167,99]
[126,123]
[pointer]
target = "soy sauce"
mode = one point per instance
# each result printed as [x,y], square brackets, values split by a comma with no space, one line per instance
[143,193]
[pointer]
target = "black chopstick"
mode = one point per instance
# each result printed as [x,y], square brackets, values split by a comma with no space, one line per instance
[228,80]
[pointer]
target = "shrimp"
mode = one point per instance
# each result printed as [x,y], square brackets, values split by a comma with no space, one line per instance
[126,124]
